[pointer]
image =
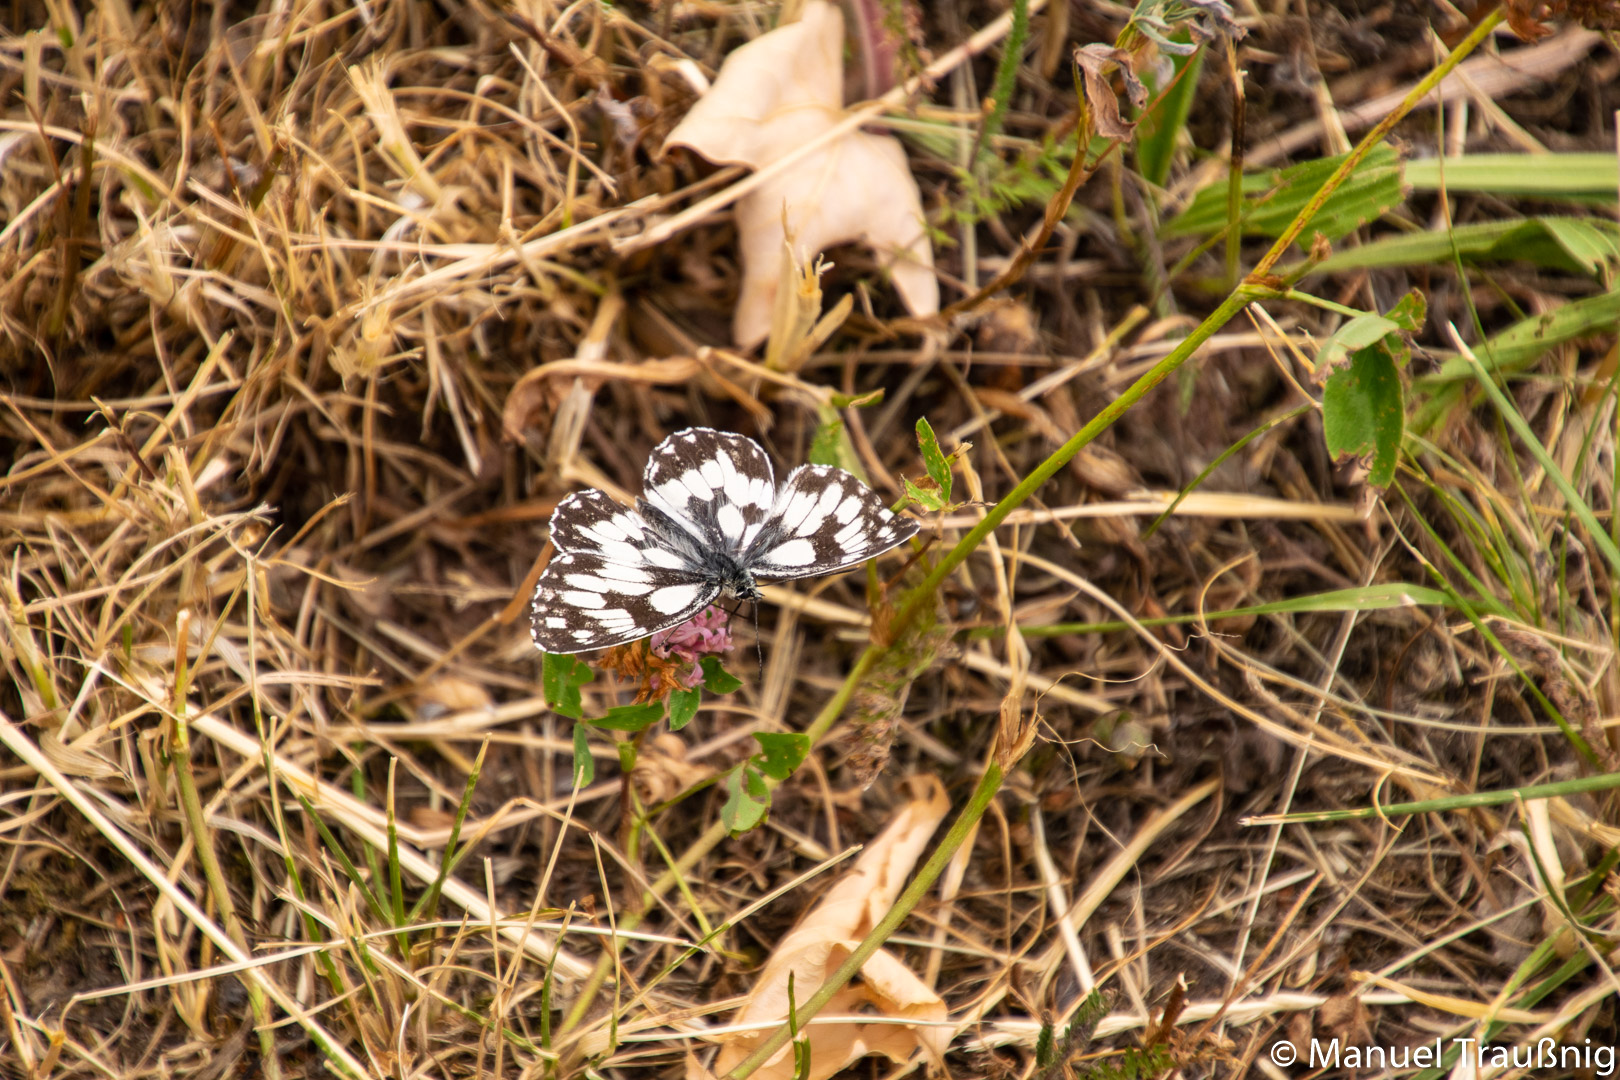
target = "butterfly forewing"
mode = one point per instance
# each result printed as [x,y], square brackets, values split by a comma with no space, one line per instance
[587,601]
[823,520]
[717,484]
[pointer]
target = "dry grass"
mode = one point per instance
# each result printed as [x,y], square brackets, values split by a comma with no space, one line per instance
[311,315]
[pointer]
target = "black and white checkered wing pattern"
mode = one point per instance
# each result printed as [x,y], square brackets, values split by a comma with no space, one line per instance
[716,484]
[611,582]
[824,520]
[710,519]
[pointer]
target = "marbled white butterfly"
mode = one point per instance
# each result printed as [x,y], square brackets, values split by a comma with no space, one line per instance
[710,521]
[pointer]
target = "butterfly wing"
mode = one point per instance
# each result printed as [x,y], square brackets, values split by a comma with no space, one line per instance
[586,601]
[612,581]
[716,485]
[824,520]
[590,521]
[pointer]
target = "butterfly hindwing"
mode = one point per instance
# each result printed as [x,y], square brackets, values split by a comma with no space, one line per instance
[717,481]
[823,520]
[586,601]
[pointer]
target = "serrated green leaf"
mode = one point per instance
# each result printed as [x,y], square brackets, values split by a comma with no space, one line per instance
[584,764]
[561,676]
[748,800]
[782,752]
[630,717]
[1358,333]
[939,470]
[683,705]
[1363,413]
[1274,198]
[924,498]
[716,679]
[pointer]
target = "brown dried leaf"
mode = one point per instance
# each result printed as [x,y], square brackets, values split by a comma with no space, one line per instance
[1527,18]
[662,772]
[1095,60]
[772,96]
[822,941]
[451,694]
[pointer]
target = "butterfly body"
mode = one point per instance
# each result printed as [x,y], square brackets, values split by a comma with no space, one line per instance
[716,563]
[710,522]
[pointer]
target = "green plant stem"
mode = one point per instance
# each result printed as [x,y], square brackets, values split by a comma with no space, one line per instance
[1424,87]
[923,593]
[1326,305]
[1225,456]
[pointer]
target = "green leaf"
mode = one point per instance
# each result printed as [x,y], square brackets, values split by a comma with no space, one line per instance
[716,679]
[561,676]
[683,705]
[748,802]
[857,401]
[1361,332]
[782,752]
[924,498]
[1514,349]
[939,470]
[1158,130]
[584,764]
[1591,246]
[1363,413]
[1576,177]
[1531,338]
[801,1046]
[832,445]
[630,717]
[1409,312]
[1272,199]
[824,447]
[1572,245]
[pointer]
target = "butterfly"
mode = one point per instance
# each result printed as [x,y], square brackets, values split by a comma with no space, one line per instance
[711,520]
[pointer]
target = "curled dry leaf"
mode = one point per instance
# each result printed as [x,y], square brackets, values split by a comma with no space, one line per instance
[772,96]
[1095,62]
[662,772]
[446,693]
[822,941]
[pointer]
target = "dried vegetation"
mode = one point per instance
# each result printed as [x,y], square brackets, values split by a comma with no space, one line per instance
[310,314]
